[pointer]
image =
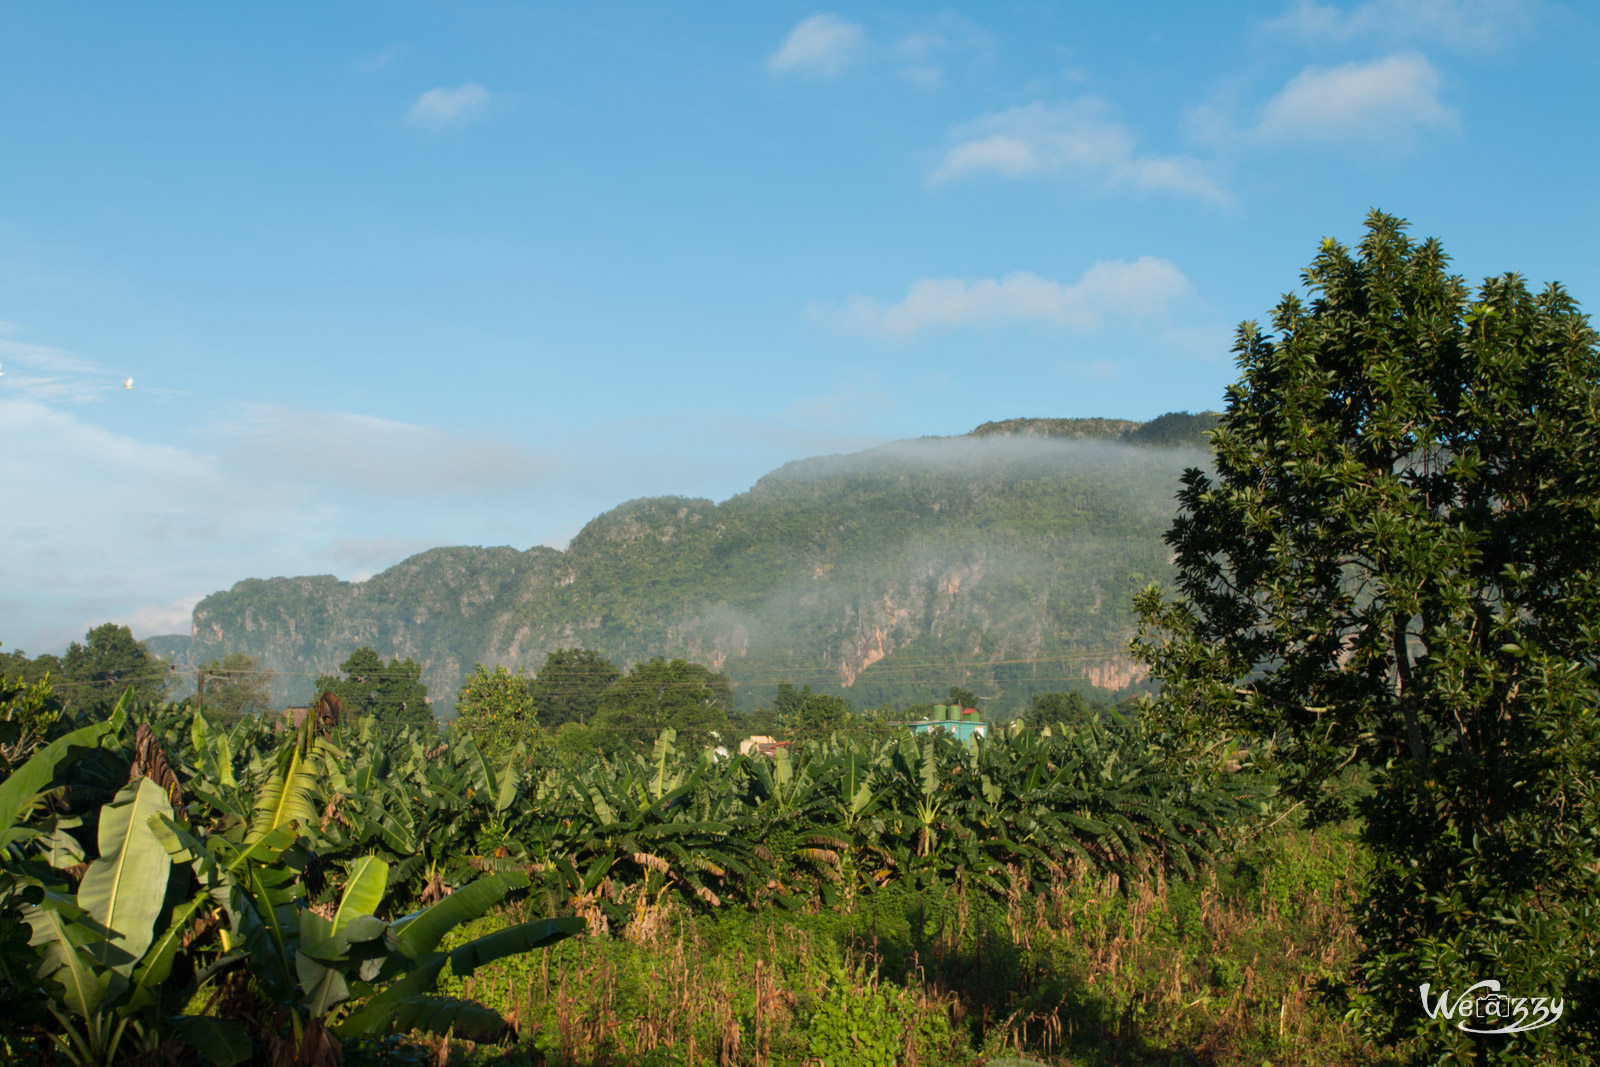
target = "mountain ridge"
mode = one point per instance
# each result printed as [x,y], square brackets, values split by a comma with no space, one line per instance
[1001,559]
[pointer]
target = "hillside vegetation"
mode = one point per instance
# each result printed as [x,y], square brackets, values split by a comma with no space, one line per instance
[1003,560]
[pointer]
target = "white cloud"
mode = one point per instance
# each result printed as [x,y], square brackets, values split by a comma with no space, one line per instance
[822,45]
[373,456]
[378,60]
[153,619]
[441,107]
[102,525]
[1144,288]
[98,525]
[39,372]
[924,54]
[1074,137]
[1388,98]
[1467,24]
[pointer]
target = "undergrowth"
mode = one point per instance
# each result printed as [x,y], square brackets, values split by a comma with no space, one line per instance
[1240,966]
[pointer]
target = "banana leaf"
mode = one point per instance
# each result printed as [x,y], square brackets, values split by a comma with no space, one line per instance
[447,1015]
[83,988]
[124,889]
[285,797]
[420,932]
[156,966]
[363,891]
[323,985]
[19,791]
[222,1042]
[523,937]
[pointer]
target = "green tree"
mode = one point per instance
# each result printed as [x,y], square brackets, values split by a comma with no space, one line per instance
[1049,708]
[806,712]
[568,687]
[17,666]
[497,709]
[392,693]
[1395,565]
[234,686]
[95,674]
[29,711]
[688,697]
[964,698]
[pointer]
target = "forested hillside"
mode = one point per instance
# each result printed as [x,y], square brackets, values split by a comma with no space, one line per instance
[1002,560]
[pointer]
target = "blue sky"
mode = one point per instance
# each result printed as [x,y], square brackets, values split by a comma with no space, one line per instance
[387,276]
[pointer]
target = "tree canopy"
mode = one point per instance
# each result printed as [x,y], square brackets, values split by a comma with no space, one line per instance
[1047,709]
[392,692]
[1394,566]
[497,708]
[96,673]
[569,685]
[655,694]
[234,686]
[808,713]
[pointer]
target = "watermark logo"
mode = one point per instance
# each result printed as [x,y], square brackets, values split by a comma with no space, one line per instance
[1494,1012]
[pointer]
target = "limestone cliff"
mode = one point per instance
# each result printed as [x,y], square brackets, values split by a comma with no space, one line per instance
[1002,562]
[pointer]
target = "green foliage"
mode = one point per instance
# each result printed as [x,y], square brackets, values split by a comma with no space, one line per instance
[95,674]
[178,897]
[569,686]
[1025,547]
[811,714]
[875,1030]
[1084,972]
[1385,571]
[391,694]
[28,715]
[662,694]
[962,698]
[1070,707]
[498,710]
[234,686]
[1177,429]
[573,740]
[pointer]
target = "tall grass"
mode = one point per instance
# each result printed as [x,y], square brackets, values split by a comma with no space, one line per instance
[1240,966]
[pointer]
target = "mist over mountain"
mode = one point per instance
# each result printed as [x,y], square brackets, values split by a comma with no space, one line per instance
[1002,560]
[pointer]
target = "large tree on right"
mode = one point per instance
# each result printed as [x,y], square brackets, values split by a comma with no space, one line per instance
[1395,565]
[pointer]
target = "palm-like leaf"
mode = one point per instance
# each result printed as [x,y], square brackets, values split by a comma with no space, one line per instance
[124,889]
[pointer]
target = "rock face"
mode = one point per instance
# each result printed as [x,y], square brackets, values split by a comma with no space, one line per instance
[1002,562]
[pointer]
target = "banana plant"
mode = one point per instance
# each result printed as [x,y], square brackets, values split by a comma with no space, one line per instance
[306,966]
[101,945]
[25,788]
[406,962]
[31,851]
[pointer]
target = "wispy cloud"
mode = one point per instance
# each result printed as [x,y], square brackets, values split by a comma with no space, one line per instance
[441,107]
[1075,137]
[378,60]
[149,620]
[923,55]
[1390,98]
[848,404]
[376,551]
[1143,288]
[53,375]
[823,45]
[367,455]
[102,525]
[1463,24]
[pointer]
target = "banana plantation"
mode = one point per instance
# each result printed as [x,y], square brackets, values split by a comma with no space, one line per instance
[174,892]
